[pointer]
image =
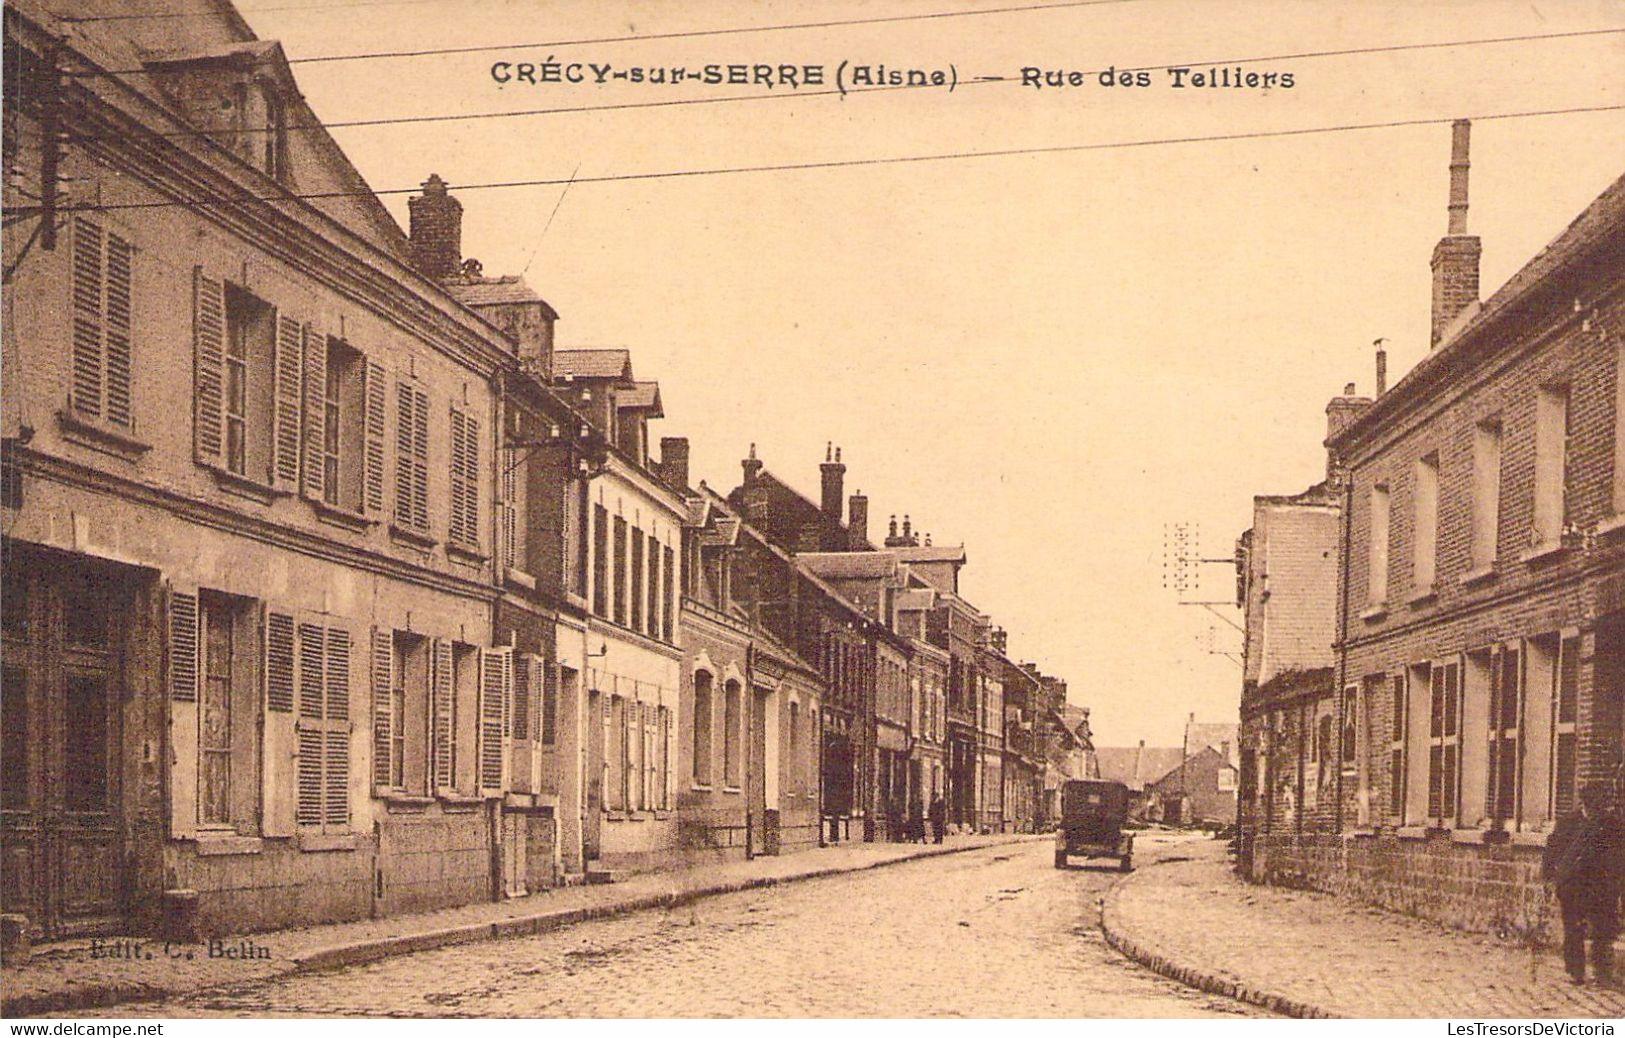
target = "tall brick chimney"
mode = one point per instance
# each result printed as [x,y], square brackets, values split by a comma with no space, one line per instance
[1341,411]
[834,474]
[857,523]
[436,230]
[752,466]
[1455,258]
[674,460]
[1000,640]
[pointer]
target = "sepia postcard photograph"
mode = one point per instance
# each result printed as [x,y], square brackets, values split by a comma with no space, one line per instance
[861,510]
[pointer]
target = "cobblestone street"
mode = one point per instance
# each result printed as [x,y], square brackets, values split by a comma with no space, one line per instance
[993,932]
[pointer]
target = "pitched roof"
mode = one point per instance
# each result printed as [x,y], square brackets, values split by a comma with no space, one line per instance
[644,396]
[932,553]
[608,363]
[1137,766]
[1217,734]
[850,565]
[510,288]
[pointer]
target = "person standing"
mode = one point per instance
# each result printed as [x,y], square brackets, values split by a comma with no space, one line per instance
[916,821]
[1585,861]
[939,817]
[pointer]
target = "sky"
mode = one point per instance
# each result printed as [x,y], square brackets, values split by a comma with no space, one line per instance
[1046,357]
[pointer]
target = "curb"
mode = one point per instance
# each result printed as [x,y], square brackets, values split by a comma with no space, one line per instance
[1194,976]
[336,956]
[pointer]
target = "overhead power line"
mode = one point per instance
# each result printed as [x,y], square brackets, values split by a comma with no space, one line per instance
[404,120]
[1055,149]
[736,30]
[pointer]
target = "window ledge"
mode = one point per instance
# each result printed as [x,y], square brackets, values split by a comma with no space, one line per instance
[1424,596]
[661,815]
[407,535]
[1364,832]
[1373,613]
[700,787]
[342,517]
[246,487]
[101,435]
[1542,552]
[1612,525]
[459,802]
[404,802]
[733,789]
[466,553]
[210,845]
[1468,835]
[1529,839]
[317,843]
[518,578]
[1411,832]
[1481,575]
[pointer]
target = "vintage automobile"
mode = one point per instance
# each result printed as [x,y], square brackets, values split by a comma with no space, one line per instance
[1092,816]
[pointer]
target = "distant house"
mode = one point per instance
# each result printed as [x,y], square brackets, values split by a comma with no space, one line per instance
[1138,768]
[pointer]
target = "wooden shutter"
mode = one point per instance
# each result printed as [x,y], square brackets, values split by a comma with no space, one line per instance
[118,361]
[312,733]
[420,460]
[524,674]
[471,480]
[508,511]
[314,484]
[285,419]
[495,692]
[336,766]
[405,404]
[184,661]
[280,746]
[208,370]
[372,483]
[86,393]
[383,705]
[441,729]
[456,529]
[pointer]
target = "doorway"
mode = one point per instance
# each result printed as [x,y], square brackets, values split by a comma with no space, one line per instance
[61,698]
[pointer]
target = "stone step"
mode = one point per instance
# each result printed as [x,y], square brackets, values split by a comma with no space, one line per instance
[598,873]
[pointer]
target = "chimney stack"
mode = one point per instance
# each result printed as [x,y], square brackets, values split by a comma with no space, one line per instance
[833,473]
[908,533]
[1382,368]
[857,524]
[1341,412]
[674,460]
[436,230]
[892,540]
[751,466]
[1455,258]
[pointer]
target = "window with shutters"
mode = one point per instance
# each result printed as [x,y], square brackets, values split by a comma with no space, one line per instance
[1550,506]
[663,748]
[411,458]
[1564,736]
[1506,707]
[600,561]
[553,681]
[400,675]
[1396,752]
[509,550]
[656,589]
[1444,743]
[495,720]
[322,725]
[615,755]
[464,719]
[102,362]
[229,713]
[341,439]
[250,384]
[464,528]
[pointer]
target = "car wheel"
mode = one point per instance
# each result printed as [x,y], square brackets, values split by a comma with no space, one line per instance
[1127,864]
[1060,859]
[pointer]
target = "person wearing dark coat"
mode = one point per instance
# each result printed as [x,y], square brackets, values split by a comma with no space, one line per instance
[1585,861]
[916,821]
[939,818]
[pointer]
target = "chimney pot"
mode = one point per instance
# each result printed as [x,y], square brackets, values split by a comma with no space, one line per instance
[833,475]
[674,460]
[857,528]
[751,466]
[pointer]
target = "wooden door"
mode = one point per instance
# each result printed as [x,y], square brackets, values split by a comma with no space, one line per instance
[60,827]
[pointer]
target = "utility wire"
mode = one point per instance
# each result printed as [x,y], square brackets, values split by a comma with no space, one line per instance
[792,95]
[1056,149]
[678,35]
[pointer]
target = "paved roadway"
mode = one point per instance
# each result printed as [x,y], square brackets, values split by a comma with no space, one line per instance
[995,932]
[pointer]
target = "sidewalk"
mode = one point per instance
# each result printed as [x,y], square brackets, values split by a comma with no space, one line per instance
[64,976]
[1187,916]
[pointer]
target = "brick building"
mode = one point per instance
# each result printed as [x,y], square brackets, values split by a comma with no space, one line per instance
[248,499]
[1481,638]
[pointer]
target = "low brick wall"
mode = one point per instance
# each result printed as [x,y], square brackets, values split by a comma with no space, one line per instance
[1489,888]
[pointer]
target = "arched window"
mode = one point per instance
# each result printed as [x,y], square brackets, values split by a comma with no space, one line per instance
[730,734]
[702,728]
